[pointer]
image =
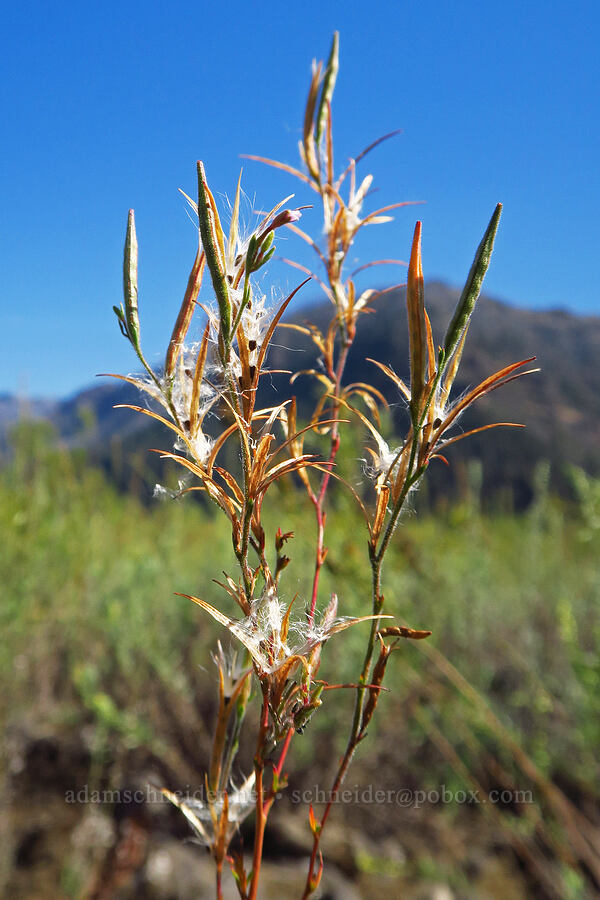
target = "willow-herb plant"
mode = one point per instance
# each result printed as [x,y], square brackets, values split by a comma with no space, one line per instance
[278,651]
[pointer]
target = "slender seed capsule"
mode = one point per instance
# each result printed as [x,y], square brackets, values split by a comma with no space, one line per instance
[308,148]
[329,80]
[210,243]
[130,282]
[472,288]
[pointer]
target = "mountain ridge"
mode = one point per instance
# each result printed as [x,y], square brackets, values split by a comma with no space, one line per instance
[560,406]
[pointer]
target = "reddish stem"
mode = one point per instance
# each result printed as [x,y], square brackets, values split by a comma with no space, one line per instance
[284,750]
[219,880]
[347,759]
[357,731]
[261,814]
[277,770]
[318,500]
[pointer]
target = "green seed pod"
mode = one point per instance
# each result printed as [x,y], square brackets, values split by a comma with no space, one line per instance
[472,288]
[329,80]
[209,227]
[130,283]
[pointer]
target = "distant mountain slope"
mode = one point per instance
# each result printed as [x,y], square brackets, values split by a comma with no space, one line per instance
[14,408]
[560,406]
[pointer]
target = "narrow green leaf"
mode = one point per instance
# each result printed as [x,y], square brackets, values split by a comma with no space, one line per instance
[264,259]
[120,314]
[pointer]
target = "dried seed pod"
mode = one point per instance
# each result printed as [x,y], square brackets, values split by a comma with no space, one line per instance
[375,688]
[405,632]
[186,312]
[383,497]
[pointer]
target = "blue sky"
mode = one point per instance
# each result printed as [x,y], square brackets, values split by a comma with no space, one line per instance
[106,106]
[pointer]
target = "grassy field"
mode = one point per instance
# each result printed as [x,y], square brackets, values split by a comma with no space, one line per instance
[503,695]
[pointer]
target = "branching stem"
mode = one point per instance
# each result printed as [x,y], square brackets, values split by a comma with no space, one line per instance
[357,732]
[318,500]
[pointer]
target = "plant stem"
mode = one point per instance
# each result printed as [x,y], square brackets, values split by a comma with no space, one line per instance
[243,554]
[277,769]
[232,747]
[165,393]
[219,865]
[356,732]
[410,479]
[284,750]
[261,815]
[318,500]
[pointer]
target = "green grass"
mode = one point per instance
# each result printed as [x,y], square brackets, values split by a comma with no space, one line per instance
[93,632]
